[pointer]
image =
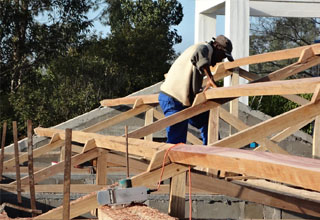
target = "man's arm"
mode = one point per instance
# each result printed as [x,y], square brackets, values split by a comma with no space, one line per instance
[211,81]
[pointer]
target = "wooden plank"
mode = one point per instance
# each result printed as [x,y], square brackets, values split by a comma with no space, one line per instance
[54,169]
[137,147]
[288,131]
[234,104]
[293,170]
[271,56]
[117,119]
[148,120]
[316,139]
[30,168]
[130,100]
[157,160]
[296,86]
[271,126]
[213,125]
[296,99]
[16,157]
[305,55]
[3,143]
[177,196]
[101,175]
[239,125]
[173,119]
[290,70]
[153,177]
[89,145]
[261,196]
[77,207]
[67,175]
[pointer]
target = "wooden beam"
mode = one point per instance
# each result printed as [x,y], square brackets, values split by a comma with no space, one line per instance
[239,125]
[316,139]
[288,131]
[54,169]
[293,170]
[296,86]
[153,177]
[16,157]
[31,176]
[3,143]
[173,119]
[234,104]
[67,175]
[177,196]
[101,175]
[117,119]
[213,125]
[271,126]
[130,100]
[137,147]
[290,70]
[148,120]
[261,196]
[271,56]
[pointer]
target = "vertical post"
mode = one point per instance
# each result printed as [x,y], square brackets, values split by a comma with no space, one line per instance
[16,157]
[67,175]
[316,139]
[30,168]
[213,133]
[127,151]
[148,120]
[3,142]
[213,126]
[177,196]
[101,176]
[234,104]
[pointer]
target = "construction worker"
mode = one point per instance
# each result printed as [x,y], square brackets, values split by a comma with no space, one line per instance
[184,81]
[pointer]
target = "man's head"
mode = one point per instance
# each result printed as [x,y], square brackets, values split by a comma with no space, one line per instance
[224,48]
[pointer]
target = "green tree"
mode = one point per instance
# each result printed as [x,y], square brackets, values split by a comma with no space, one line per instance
[28,46]
[141,41]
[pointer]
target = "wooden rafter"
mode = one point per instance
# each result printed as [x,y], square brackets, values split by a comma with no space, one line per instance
[137,147]
[271,126]
[297,171]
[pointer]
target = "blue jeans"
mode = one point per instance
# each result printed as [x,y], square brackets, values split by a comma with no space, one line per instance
[178,133]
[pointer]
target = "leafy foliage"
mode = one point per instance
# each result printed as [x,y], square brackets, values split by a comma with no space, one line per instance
[51,71]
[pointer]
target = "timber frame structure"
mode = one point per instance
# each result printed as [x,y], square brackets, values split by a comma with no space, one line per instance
[292,181]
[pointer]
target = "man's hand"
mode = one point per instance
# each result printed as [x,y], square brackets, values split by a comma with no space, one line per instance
[210,82]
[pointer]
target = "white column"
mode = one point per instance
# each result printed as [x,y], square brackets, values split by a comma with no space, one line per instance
[237,24]
[205,27]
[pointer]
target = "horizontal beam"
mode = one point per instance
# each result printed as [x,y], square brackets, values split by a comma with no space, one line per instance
[293,170]
[268,57]
[283,87]
[137,147]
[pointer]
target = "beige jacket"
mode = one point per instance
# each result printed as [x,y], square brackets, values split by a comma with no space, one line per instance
[179,80]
